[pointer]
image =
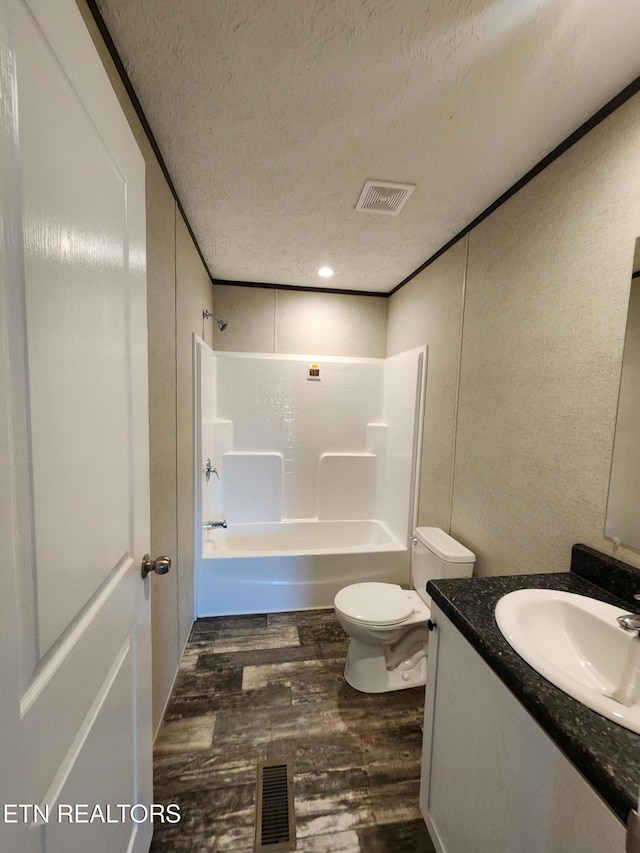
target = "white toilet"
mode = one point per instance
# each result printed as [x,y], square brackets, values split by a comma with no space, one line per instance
[388,624]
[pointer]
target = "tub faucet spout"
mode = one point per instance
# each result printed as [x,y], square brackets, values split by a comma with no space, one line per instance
[211,525]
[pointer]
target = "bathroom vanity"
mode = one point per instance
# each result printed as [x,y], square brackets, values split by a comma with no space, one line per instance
[509,761]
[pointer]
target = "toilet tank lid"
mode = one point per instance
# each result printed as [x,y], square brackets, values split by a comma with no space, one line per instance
[444,546]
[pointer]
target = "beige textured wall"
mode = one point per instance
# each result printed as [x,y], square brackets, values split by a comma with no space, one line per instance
[294,321]
[547,291]
[194,294]
[547,285]
[161,321]
[624,491]
[175,280]
[428,310]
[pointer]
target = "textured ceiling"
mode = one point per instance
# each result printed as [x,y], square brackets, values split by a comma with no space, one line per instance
[271,114]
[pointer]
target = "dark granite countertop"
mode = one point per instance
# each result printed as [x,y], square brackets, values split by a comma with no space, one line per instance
[604,752]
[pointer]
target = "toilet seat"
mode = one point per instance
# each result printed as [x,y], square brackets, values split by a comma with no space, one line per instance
[375,603]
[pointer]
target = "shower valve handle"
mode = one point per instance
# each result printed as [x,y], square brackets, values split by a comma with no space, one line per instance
[209,469]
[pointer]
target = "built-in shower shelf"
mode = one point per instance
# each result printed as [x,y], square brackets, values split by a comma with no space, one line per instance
[217,438]
[347,485]
[377,438]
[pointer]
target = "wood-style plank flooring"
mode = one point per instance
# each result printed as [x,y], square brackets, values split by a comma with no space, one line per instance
[261,687]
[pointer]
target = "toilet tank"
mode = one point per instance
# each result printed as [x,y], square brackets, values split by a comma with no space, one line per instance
[434,555]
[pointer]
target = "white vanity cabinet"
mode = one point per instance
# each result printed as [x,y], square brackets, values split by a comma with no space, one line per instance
[492,780]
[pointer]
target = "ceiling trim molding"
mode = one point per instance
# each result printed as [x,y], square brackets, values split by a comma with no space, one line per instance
[611,106]
[137,106]
[307,288]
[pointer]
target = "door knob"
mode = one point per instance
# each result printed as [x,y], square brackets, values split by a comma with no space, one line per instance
[160,565]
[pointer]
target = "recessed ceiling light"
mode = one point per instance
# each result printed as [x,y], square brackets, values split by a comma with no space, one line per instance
[325,272]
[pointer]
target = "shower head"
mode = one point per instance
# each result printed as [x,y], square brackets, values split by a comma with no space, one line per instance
[222,324]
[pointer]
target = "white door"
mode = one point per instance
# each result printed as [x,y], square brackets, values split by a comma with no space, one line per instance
[75,716]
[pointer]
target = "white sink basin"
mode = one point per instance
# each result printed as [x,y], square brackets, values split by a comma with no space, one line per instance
[576,643]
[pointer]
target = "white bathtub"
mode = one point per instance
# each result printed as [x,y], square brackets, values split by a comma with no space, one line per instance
[293,565]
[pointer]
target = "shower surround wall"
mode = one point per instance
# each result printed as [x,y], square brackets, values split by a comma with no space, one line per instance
[327,453]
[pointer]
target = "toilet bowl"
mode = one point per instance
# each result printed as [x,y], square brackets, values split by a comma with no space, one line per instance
[388,624]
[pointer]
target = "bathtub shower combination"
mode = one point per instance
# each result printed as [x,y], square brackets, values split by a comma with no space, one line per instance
[311,465]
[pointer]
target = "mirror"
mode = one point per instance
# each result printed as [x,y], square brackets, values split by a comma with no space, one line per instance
[623,508]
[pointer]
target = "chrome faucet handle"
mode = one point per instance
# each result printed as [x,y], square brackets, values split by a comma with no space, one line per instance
[209,469]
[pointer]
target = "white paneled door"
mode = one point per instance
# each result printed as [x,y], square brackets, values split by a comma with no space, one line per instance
[75,716]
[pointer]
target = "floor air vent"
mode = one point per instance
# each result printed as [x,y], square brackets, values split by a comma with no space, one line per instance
[275,823]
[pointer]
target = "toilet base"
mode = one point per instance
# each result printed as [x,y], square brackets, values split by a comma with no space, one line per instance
[366,669]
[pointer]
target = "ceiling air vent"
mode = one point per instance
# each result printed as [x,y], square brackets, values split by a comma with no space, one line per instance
[383,197]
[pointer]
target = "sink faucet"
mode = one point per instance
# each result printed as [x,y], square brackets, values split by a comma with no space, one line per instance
[630,622]
[211,525]
[627,691]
